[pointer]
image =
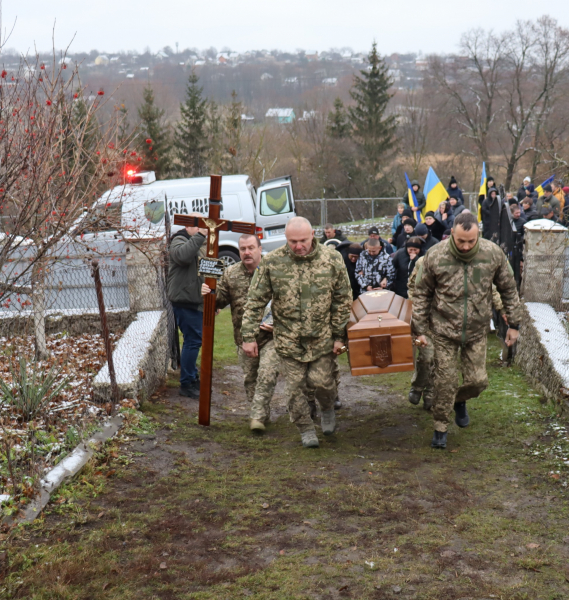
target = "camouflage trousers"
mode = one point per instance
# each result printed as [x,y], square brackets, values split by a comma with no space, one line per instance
[446,374]
[422,380]
[300,376]
[261,373]
[310,391]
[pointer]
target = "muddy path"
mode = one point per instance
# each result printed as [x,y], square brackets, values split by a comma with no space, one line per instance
[219,513]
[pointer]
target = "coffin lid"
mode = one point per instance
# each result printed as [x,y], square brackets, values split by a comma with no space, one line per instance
[379,312]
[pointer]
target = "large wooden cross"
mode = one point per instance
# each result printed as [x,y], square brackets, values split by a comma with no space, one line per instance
[214,225]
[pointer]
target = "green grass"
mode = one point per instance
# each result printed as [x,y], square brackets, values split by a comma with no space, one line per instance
[233,515]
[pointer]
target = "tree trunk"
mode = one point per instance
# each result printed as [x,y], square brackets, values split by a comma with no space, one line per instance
[38,304]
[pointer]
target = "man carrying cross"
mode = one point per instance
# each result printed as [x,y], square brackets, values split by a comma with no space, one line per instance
[311,301]
[184,283]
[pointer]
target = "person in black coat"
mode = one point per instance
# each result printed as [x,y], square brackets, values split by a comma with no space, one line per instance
[454,191]
[408,230]
[406,214]
[423,232]
[490,209]
[530,214]
[435,226]
[350,259]
[404,261]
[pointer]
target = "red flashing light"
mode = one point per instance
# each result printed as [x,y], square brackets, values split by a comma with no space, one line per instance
[259,232]
[130,172]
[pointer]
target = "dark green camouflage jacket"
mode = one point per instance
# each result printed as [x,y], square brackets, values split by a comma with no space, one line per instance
[453,299]
[232,289]
[311,297]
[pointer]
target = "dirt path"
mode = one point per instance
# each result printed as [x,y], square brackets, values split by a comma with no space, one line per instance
[189,512]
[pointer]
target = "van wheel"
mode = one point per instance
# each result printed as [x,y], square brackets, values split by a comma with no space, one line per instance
[229,257]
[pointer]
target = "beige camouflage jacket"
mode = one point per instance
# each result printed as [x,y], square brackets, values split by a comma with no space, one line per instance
[232,289]
[453,299]
[496,300]
[311,297]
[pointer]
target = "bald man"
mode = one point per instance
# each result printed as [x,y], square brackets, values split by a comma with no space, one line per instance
[311,300]
[184,292]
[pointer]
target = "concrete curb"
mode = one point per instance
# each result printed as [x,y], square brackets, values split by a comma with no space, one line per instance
[67,468]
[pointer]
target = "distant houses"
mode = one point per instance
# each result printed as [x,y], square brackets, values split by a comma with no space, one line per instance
[281,115]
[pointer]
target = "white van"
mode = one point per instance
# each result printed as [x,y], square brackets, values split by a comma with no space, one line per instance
[144,201]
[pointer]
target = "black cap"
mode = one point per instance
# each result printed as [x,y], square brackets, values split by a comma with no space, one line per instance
[373,229]
[547,188]
[452,180]
[430,213]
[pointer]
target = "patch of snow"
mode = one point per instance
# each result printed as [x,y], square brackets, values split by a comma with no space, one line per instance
[553,336]
[131,349]
[59,312]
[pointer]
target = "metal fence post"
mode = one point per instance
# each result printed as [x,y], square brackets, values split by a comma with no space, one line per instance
[323,212]
[372,209]
[105,329]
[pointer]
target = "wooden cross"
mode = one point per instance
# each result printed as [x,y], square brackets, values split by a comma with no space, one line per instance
[214,225]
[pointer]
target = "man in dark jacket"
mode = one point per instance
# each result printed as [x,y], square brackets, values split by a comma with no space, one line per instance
[421,200]
[548,199]
[350,260]
[184,292]
[373,234]
[408,229]
[423,232]
[517,219]
[331,233]
[455,192]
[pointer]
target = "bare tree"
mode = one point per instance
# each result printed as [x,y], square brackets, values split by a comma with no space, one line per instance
[471,83]
[54,162]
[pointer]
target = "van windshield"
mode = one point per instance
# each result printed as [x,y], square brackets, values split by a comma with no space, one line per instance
[275,201]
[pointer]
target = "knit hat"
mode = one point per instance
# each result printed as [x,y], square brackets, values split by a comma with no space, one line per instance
[490,178]
[373,230]
[566,190]
[410,221]
[407,213]
[421,229]
[355,249]
[547,188]
[528,179]
[411,243]
[452,180]
[430,213]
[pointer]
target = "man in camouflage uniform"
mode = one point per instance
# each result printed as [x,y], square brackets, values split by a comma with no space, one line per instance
[261,371]
[311,301]
[453,301]
[422,384]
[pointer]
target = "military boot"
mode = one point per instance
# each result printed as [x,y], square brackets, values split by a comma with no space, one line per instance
[439,440]
[309,439]
[415,396]
[461,416]
[328,421]
[313,409]
[257,426]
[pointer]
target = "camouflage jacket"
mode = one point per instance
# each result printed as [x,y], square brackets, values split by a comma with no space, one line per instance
[453,299]
[232,289]
[496,299]
[311,297]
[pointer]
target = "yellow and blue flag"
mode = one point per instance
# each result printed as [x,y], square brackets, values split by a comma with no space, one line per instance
[413,200]
[483,190]
[539,188]
[434,191]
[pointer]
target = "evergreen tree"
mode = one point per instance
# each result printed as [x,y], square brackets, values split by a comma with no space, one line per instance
[191,133]
[215,154]
[153,140]
[373,131]
[338,124]
[234,129]
[124,131]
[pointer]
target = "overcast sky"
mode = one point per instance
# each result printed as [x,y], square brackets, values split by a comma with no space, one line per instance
[397,25]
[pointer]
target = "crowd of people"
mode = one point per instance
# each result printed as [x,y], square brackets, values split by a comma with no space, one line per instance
[290,308]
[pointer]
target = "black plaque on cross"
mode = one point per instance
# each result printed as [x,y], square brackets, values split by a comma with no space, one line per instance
[214,224]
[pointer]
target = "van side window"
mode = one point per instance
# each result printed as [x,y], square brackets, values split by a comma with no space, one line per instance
[275,201]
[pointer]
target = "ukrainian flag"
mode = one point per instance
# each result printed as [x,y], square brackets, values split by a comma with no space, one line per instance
[483,190]
[434,191]
[413,200]
[539,188]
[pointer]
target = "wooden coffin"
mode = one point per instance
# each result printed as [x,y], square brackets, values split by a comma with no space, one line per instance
[379,334]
